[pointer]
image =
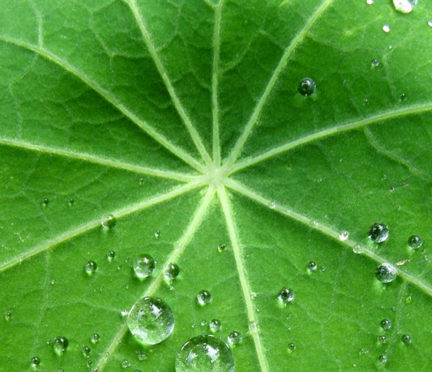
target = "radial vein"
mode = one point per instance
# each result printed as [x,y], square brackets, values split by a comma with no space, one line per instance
[50,244]
[242,273]
[172,258]
[326,231]
[163,73]
[109,97]
[272,82]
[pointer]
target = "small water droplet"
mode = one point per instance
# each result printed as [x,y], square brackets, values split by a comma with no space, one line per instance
[204,297]
[126,364]
[71,202]
[90,267]
[234,338]
[430,23]
[141,355]
[366,101]
[314,223]
[203,323]
[381,339]
[89,363]
[85,351]
[358,249]
[323,268]
[35,361]
[409,300]
[344,235]
[306,87]
[111,255]
[378,232]
[60,344]
[171,271]
[124,312]
[286,295]
[108,221]
[404,6]
[375,63]
[386,273]
[369,2]
[386,324]
[94,338]
[144,266]
[205,353]
[402,97]
[292,346]
[253,327]
[45,202]
[406,339]
[151,320]
[383,358]
[157,234]
[141,181]
[415,242]
[215,325]
[221,247]
[8,315]
[386,28]
[272,205]
[363,351]
[312,266]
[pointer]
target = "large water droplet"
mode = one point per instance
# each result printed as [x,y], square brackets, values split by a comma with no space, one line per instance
[386,324]
[60,344]
[171,271]
[286,295]
[108,221]
[415,242]
[35,361]
[378,232]
[205,353]
[406,339]
[144,266]
[204,297]
[90,267]
[215,325]
[151,320]
[306,87]
[234,338]
[404,6]
[386,273]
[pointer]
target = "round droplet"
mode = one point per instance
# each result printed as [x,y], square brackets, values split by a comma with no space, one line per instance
[306,87]
[111,255]
[221,247]
[369,2]
[383,358]
[141,355]
[366,101]
[404,6]
[375,63]
[386,324]
[358,249]
[386,28]
[344,235]
[204,297]
[381,339]
[144,266]
[150,320]
[109,221]
[60,344]
[8,315]
[409,300]
[378,232]
[71,202]
[171,271]
[386,273]
[126,364]
[85,351]
[314,224]
[312,266]
[291,346]
[203,323]
[253,327]
[402,97]
[286,295]
[156,234]
[205,353]
[90,267]
[234,338]
[94,337]
[406,339]
[89,363]
[215,325]
[272,205]
[45,202]
[415,242]
[35,361]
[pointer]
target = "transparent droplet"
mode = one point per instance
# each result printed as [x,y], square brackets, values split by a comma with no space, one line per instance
[90,267]
[141,181]
[171,271]
[71,202]
[85,351]
[314,224]
[234,338]
[406,339]
[205,353]
[312,266]
[126,364]
[272,205]
[409,300]
[111,255]
[402,97]
[386,273]
[124,312]
[109,221]
[215,325]
[383,358]
[306,87]
[141,356]
[386,28]
[381,339]
[430,23]
[344,235]
[60,344]
[415,242]
[144,266]
[8,315]
[89,363]
[404,6]
[369,2]
[94,337]
[286,295]
[358,249]
[204,297]
[221,247]
[35,361]
[375,63]
[386,324]
[45,202]
[253,327]
[291,346]
[378,232]
[157,234]
[151,320]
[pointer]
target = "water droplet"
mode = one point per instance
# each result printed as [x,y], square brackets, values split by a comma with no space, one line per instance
[157,234]
[415,242]
[234,338]
[386,273]
[221,247]
[151,320]
[124,312]
[358,249]
[109,221]
[314,224]
[312,266]
[71,202]
[253,327]
[430,23]
[375,63]
[8,315]
[344,235]
[205,353]
[89,363]
[306,87]
[203,323]
[141,181]
[402,97]
[272,205]
[369,2]
[45,202]
[386,324]
[404,6]
[85,351]
[35,361]
[60,344]
[323,268]
[141,356]
[291,346]
[111,255]
[171,272]
[409,300]
[383,358]
[144,266]
[366,101]
[406,339]
[90,267]
[286,295]
[94,338]
[215,325]
[126,364]
[204,297]
[386,28]
[381,339]
[378,232]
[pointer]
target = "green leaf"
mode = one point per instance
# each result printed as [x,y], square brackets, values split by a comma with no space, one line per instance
[184,121]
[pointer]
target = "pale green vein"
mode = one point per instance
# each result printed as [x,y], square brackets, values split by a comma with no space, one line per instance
[215,84]
[164,74]
[242,274]
[97,160]
[158,137]
[326,231]
[272,82]
[173,257]
[388,115]
[68,235]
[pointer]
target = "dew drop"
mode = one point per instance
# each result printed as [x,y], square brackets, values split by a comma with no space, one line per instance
[358,249]
[221,247]
[157,234]
[109,221]
[306,87]
[205,353]
[409,300]
[234,338]
[126,364]
[203,323]
[111,255]
[366,101]
[60,344]
[386,324]
[312,266]
[141,356]
[386,28]
[378,232]
[272,205]
[85,351]
[415,242]
[381,339]
[45,202]
[151,320]
[35,361]
[430,23]
[71,202]
[253,327]
[383,358]
[406,339]
[141,181]
[144,266]
[94,337]
[344,235]
[171,271]
[8,315]
[404,6]
[286,295]
[90,267]
[369,2]
[291,346]
[386,273]
[375,63]
[215,325]
[204,297]
[402,97]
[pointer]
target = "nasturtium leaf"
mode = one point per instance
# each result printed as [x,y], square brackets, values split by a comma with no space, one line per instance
[182,130]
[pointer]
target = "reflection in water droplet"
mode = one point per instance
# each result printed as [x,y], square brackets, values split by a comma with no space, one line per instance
[406,339]
[286,295]
[404,6]
[358,249]
[386,324]
[35,361]
[378,232]
[94,338]
[415,242]
[144,266]
[205,353]
[171,271]
[85,351]
[234,338]
[386,273]
[312,266]
[386,28]
[375,63]
[204,297]
[90,267]
[306,87]
[60,344]
[344,235]
[215,325]
[383,358]
[109,221]
[150,320]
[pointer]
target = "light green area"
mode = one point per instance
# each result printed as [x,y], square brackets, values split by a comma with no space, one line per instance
[183,120]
